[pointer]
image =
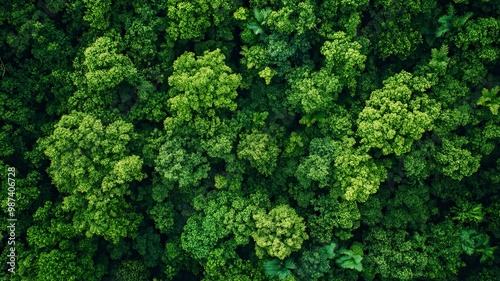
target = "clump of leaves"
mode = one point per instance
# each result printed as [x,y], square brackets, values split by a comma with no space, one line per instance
[490,99]
[276,268]
[350,260]
[328,251]
[468,212]
[260,16]
[315,263]
[451,20]
[132,270]
[477,243]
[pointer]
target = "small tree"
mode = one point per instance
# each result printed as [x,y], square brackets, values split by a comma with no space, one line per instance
[279,233]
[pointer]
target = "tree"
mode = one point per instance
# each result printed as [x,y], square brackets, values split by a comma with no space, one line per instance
[99,72]
[222,215]
[203,84]
[261,150]
[180,168]
[92,168]
[191,19]
[278,233]
[98,13]
[333,217]
[457,162]
[58,250]
[315,263]
[358,174]
[315,92]
[433,254]
[392,120]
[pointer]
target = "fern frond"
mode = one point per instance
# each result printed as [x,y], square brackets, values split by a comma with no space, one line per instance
[446,22]
[441,54]
[489,98]
[276,269]
[451,11]
[256,28]
[463,20]
[261,15]
[442,30]
[290,264]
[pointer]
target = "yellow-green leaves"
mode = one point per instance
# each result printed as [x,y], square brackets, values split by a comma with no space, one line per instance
[99,73]
[344,58]
[491,99]
[356,173]
[267,73]
[348,171]
[261,150]
[393,118]
[105,66]
[190,19]
[333,216]
[456,161]
[202,84]
[279,233]
[179,167]
[294,16]
[315,92]
[92,168]
[221,215]
[98,13]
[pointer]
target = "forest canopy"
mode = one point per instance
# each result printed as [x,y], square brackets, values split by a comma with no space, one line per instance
[250,140]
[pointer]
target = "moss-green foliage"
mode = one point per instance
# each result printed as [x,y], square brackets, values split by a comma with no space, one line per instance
[251,140]
[392,119]
[278,233]
[92,167]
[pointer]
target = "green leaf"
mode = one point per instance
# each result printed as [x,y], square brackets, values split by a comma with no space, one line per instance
[261,15]
[330,250]
[290,264]
[350,260]
[256,28]
[276,269]
[494,108]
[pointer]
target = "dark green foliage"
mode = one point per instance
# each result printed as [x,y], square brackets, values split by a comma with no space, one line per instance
[314,264]
[250,140]
[451,20]
[468,212]
[477,243]
[131,270]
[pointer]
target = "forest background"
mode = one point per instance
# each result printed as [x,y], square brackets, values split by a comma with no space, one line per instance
[251,140]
